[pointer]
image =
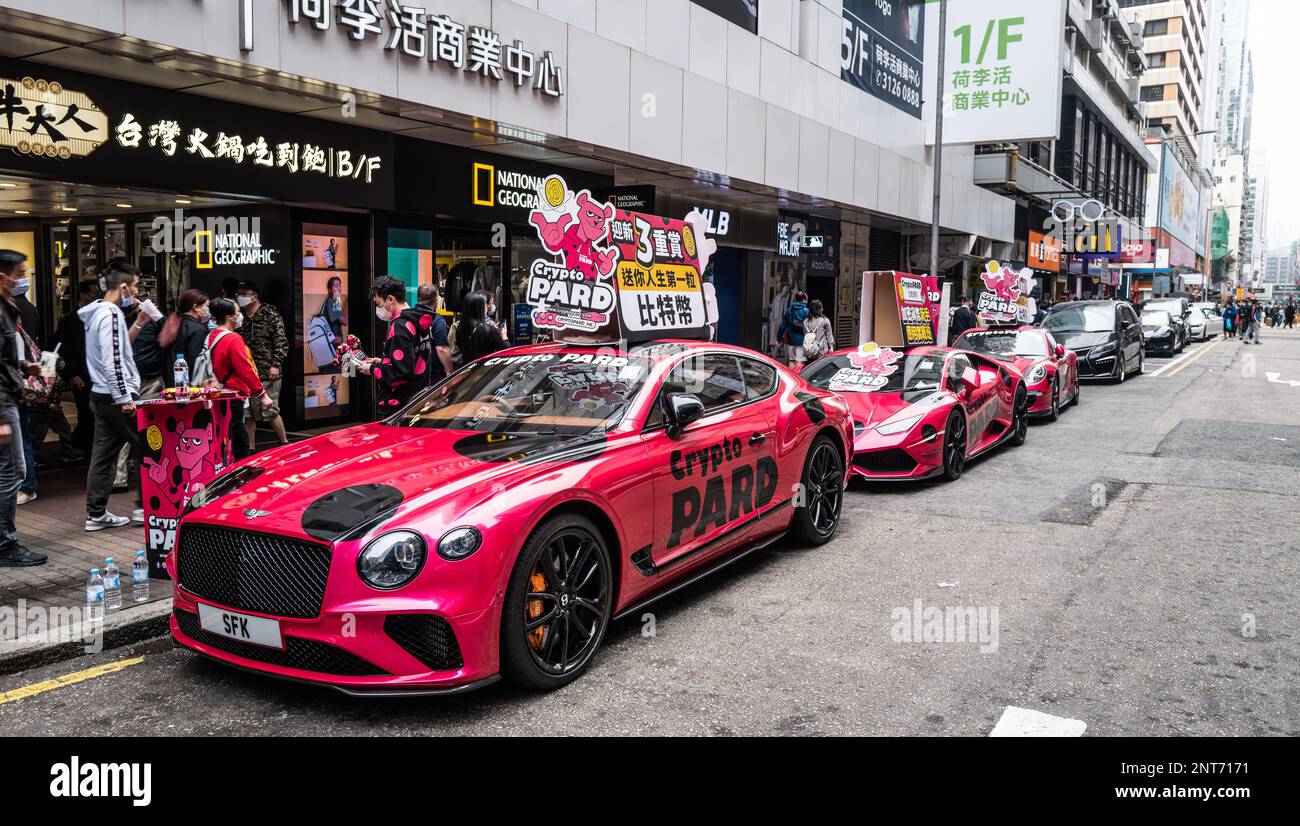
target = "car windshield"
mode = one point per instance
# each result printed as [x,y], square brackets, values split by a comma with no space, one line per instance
[1171,307]
[1159,318]
[1086,318]
[547,393]
[1030,343]
[920,372]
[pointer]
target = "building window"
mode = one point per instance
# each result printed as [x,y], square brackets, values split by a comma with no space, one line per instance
[1156,60]
[1150,93]
[1154,28]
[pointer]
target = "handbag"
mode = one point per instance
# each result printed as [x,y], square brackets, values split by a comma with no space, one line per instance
[38,391]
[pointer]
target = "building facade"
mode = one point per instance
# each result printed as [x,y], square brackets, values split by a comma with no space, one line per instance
[429,128]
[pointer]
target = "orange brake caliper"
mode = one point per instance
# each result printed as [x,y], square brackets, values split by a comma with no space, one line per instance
[535,609]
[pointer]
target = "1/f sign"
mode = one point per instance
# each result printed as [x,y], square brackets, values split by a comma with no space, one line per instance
[1006,35]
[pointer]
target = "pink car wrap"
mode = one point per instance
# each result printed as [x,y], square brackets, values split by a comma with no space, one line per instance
[279,538]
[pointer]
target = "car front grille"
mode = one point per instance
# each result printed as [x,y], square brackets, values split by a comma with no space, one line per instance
[299,653]
[427,638]
[249,571]
[894,460]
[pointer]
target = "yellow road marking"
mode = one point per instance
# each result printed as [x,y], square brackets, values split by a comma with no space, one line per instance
[67,679]
[1204,350]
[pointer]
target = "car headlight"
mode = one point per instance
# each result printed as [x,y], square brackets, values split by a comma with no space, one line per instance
[222,485]
[459,543]
[392,560]
[1104,349]
[1036,374]
[898,426]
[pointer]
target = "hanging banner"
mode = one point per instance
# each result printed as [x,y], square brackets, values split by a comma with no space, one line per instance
[1005,298]
[996,85]
[918,299]
[184,446]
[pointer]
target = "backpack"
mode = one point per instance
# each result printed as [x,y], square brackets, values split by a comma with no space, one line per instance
[796,322]
[320,341]
[203,372]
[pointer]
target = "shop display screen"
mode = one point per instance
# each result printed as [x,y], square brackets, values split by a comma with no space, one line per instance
[325,390]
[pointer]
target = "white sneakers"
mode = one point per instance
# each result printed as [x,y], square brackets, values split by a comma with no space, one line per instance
[24,497]
[107,520]
[137,516]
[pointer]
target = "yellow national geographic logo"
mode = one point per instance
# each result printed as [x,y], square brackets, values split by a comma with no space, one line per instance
[203,248]
[154,437]
[484,172]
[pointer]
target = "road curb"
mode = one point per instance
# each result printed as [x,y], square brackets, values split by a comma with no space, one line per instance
[130,625]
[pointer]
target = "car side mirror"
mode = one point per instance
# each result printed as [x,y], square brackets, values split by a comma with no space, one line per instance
[1060,351]
[970,379]
[681,410]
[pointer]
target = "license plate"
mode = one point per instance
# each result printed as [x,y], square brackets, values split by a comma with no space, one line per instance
[242,627]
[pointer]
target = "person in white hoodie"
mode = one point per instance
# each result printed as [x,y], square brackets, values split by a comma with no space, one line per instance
[114,387]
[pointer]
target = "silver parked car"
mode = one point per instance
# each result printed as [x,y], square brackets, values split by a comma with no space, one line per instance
[1205,322]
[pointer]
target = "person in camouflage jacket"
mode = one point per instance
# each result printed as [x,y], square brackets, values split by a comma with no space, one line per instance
[263,331]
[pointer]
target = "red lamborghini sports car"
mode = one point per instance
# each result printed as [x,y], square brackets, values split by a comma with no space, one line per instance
[925,412]
[498,524]
[1051,372]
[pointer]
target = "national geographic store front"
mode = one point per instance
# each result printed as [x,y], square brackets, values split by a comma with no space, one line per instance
[204,193]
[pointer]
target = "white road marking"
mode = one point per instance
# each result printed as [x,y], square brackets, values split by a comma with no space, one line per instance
[1025,722]
[1186,355]
[1276,378]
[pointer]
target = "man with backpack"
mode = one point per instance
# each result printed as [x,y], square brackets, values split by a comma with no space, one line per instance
[792,330]
[263,331]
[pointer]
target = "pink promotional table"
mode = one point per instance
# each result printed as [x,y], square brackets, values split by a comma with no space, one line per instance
[184,444]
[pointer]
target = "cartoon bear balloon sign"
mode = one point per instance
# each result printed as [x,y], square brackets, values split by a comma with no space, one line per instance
[1006,297]
[618,274]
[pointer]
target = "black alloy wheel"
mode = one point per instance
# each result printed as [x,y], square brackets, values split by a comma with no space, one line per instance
[558,604]
[954,446]
[1020,417]
[1056,403]
[816,521]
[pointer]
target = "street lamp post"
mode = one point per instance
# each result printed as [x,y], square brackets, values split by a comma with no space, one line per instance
[938,140]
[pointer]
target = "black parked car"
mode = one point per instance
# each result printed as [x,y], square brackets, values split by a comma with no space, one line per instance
[1159,332]
[1180,311]
[1106,336]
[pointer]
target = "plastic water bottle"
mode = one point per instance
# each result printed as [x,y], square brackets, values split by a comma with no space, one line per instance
[181,372]
[112,586]
[95,596]
[140,578]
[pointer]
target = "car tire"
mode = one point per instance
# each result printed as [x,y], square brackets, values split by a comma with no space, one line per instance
[1078,388]
[1122,361]
[1142,363]
[818,517]
[954,446]
[1020,417]
[1055,412]
[578,589]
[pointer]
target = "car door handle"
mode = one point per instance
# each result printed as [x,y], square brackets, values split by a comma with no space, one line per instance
[757,439]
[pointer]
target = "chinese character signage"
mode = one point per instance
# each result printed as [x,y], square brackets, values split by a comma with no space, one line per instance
[918,308]
[44,119]
[659,277]
[102,131]
[881,50]
[1002,70]
[441,42]
[1005,297]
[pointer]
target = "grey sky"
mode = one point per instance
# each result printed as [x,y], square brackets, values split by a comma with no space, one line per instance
[1273,25]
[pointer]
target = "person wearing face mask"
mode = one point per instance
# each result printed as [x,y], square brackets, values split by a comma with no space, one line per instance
[263,331]
[13,366]
[404,369]
[185,330]
[114,388]
[233,367]
[492,319]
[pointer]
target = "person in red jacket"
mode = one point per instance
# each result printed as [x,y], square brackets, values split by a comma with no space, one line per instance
[232,365]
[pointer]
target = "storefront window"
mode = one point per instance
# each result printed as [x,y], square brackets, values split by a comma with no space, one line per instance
[524,250]
[467,262]
[410,258]
[325,312]
[65,275]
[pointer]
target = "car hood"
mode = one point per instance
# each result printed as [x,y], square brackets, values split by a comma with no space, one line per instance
[1082,341]
[329,486]
[871,409]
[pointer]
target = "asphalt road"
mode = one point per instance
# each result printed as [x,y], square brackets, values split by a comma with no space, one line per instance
[1141,555]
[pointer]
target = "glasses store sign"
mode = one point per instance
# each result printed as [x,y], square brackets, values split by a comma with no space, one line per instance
[436,39]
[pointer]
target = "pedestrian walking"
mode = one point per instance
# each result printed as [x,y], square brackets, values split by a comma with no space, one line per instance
[475,337]
[964,318]
[114,388]
[819,333]
[792,333]
[1229,319]
[13,367]
[1255,315]
[440,367]
[71,338]
[153,370]
[185,331]
[1289,314]
[263,331]
[233,367]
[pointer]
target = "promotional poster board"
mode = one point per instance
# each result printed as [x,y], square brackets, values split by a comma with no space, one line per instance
[901,310]
[617,274]
[184,445]
[1005,297]
[870,367]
